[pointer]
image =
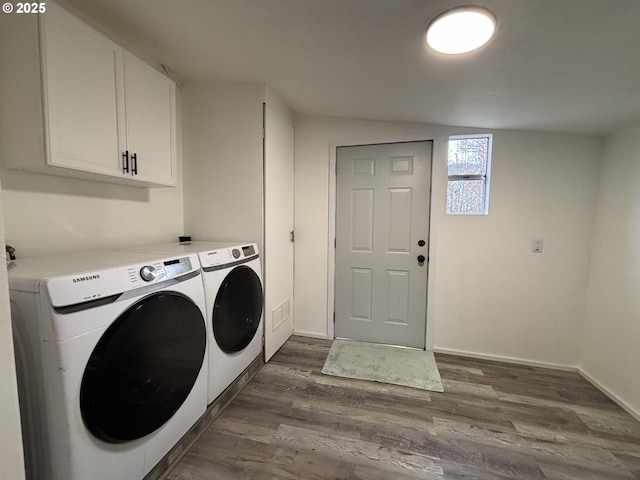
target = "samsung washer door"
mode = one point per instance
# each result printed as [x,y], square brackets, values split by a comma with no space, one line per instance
[237,309]
[143,367]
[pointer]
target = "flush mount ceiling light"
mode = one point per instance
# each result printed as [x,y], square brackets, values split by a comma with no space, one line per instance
[461,30]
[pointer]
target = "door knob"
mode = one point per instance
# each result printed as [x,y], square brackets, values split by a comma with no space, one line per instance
[421,259]
[421,243]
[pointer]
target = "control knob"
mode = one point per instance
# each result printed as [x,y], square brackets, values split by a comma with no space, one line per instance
[148,273]
[236,253]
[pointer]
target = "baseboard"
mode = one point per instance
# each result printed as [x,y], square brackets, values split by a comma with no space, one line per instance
[498,358]
[312,335]
[519,361]
[624,405]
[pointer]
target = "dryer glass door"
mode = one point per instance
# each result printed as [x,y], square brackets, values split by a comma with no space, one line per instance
[143,367]
[237,309]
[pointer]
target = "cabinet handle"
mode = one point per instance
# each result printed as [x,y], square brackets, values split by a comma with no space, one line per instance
[134,163]
[125,162]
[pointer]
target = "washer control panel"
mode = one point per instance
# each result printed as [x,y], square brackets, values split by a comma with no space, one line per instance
[94,284]
[158,271]
[174,268]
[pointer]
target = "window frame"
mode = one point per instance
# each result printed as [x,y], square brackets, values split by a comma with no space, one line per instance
[486,177]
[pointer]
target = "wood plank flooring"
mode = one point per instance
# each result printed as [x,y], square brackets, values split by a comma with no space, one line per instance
[494,421]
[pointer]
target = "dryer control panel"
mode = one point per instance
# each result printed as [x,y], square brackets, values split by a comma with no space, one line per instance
[228,256]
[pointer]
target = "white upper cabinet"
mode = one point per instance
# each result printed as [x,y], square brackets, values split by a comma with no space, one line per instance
[107,116]
[150,106]
[82,80]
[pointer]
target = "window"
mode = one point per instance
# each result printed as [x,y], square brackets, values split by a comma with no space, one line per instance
[469,165]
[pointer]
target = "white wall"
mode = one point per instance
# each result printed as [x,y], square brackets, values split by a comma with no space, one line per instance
[493,295]
[612,327]
[46,214]
[11,455]
[223,161]
[488,293]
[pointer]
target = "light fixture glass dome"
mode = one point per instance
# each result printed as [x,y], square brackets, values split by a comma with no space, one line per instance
[461,30]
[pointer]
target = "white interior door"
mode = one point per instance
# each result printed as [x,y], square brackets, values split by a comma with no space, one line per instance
[278,225]
[382,233]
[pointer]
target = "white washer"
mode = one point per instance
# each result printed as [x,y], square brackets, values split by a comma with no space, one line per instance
[111,354]
[234,297]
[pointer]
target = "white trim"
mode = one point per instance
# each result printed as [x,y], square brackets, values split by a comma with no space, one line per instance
[331,257]
[624,405]
[312,335]
[487,184]
[499,358]
[470,135]
[554,366]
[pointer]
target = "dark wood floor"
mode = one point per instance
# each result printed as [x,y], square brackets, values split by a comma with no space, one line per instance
[494,421]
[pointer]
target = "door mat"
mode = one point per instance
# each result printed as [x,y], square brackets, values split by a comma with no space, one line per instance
[383,363]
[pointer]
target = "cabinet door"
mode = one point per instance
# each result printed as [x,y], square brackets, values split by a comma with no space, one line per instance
[83,84]
[150,104]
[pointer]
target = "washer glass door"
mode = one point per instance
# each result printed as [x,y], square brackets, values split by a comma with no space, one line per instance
[237,309]
[143,367]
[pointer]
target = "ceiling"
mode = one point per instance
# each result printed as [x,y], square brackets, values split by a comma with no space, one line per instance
[554,65]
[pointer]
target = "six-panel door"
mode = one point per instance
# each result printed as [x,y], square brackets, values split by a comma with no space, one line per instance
[382,228]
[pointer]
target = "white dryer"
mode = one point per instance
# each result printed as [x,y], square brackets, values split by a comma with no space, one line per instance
[111,354]
[232,280]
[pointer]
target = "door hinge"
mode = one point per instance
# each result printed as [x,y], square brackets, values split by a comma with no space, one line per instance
[334,318]
[292,236]
[335,243]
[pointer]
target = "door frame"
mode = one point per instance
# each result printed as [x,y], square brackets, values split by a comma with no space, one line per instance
[331,262]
